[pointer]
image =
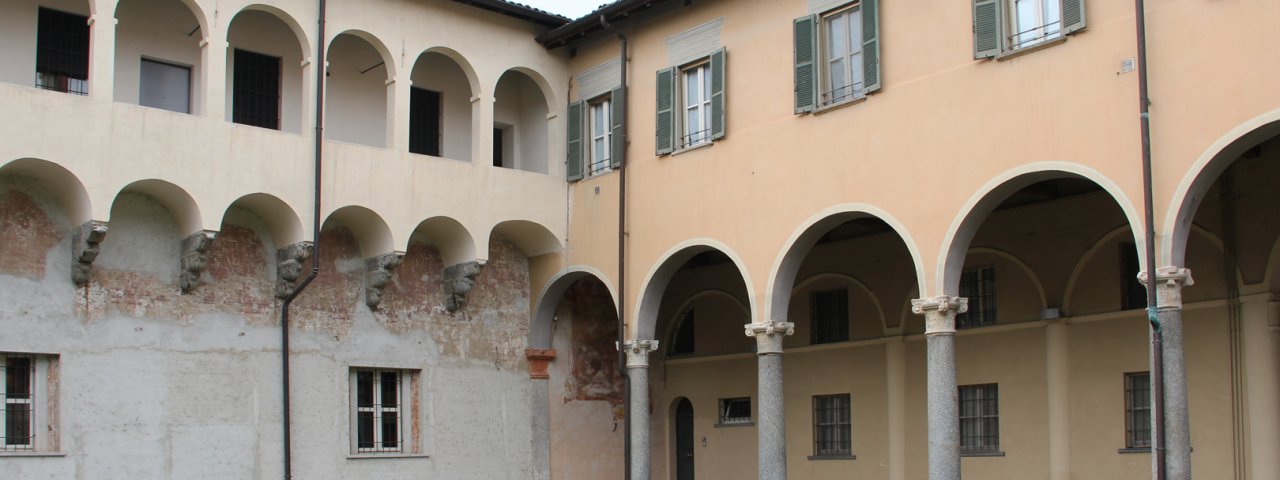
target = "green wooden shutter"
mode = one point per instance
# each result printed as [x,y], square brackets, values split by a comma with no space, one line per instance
[666,122]
[870,45]
[806,67]
[1072,16]
[717,94]
[617,144]
[986,28]
[573,153]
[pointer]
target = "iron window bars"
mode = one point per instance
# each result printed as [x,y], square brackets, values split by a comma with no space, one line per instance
[378,411]
[19,403]
[979,419]
[831,426]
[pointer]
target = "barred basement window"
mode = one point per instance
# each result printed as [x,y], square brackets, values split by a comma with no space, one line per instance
[979,419]
[735,411]
[255,97]
[831,426]
[26,397]
[830,310]
[1137,410]
[979,286]
[62,52]
[381,411]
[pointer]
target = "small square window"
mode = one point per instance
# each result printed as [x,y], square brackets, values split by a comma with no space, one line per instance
[735,411]
[600,122]
[831,426]
[1137,410]
[382,408]
[26,396]
[979,419]
[979,286]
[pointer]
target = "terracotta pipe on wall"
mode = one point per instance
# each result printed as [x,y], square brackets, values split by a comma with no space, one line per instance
[1157,345]
[622,250]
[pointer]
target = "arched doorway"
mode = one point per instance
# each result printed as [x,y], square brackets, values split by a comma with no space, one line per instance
[682,429]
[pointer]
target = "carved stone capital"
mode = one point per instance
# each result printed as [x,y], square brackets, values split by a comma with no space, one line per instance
[458,281]
[769,335]
[378,271]
[538,360]
[84,249]
[1169,283]
[939,313]
[290,262]
[195,257]
[637,352]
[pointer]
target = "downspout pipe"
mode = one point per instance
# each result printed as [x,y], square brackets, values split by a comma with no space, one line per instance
[622,249]
[286,420]
[1157,345]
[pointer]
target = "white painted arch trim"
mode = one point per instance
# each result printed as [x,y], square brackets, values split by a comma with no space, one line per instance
[955,245]
[778,296]
[549,299]
[1186,197]
[644,316]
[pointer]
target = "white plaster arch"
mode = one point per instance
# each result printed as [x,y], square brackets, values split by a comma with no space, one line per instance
[538,79]
[1085,259]
[370,230]
[65,186]
[468,70]
[644,317]
[1200,177]
[192,5]
[783,273]
[449,236]
[280,218]
[549,299]
[532,238]
[388,59]
[875,301]
[1026,269]
[304,40]
[181,205]
[979,206]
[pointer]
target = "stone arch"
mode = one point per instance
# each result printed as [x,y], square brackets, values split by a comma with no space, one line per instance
[645,314]
[202,20]
[1201,176]
[281,220]
[265,30]
[666,342]
[532,238]
[155,36]
[447,84]
[304,41]
[370,230]
[1026,270]
[884,320]
[552,293]
[359,100]
[66,187]
[449,236]
[522,103]
[473,79]
[179,203]
[783,275]
[389,60]
[979,207]
[548,93]
[1068,296]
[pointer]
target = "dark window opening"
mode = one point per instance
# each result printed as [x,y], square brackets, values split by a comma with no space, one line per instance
[979,286]
[831,426]
[979,419]
[735,411]
[1137,410]
[830,316]
[682,344]
[424,121]
[62,52]
[255,97]
[1135,293]
[17,409]
[497,147]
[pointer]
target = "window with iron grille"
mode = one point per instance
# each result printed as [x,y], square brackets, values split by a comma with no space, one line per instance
[830,316]
[424,121]
[979,419]
[831,426]
[255,97]
[1137,410]
[25,395]
[979,286]
[381,412]
[62,52]
[735,411]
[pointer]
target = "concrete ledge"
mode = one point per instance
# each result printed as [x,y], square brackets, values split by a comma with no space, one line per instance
[832,457]
[1134,450]
[386,456]
[32,454]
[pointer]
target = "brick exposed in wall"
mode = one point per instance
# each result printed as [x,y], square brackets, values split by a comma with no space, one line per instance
[26,237]
[594,334]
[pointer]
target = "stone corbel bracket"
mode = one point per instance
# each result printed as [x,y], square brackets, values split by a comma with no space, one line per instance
[84,249]
[378,271]
[195,257]
[290,262]
[538,360]
[458,282]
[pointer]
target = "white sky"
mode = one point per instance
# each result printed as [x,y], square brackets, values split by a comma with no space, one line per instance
[569,8]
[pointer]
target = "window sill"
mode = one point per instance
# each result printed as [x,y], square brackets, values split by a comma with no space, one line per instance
[32,454]
[1128,450]
[693,147]
[385,456]
[982,454]
[731,425]
[1010,54]
[838,105]
[833,457]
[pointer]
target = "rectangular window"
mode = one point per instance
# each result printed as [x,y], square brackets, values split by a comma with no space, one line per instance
[979,419]
[831,426]
[735,411]
[1134,292]
[1033,21]
[424,121]
[62,52]
[165,86]
[381,416]
[25,394]
[498,147]
[842,55]
[1137,410]
[695,92]
[1006,26]
[601,135]
[255,97]
[979,286]
[830,316]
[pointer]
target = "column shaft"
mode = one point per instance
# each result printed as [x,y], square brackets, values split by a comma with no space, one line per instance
[944,408]
[639,417]
[771,425]
[540,406]
[1177,429]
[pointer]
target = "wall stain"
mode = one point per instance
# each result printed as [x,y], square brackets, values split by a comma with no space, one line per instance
[27,236]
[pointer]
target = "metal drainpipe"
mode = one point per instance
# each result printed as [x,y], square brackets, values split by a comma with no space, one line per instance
[315,249]
[622,252]
[1157,345]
